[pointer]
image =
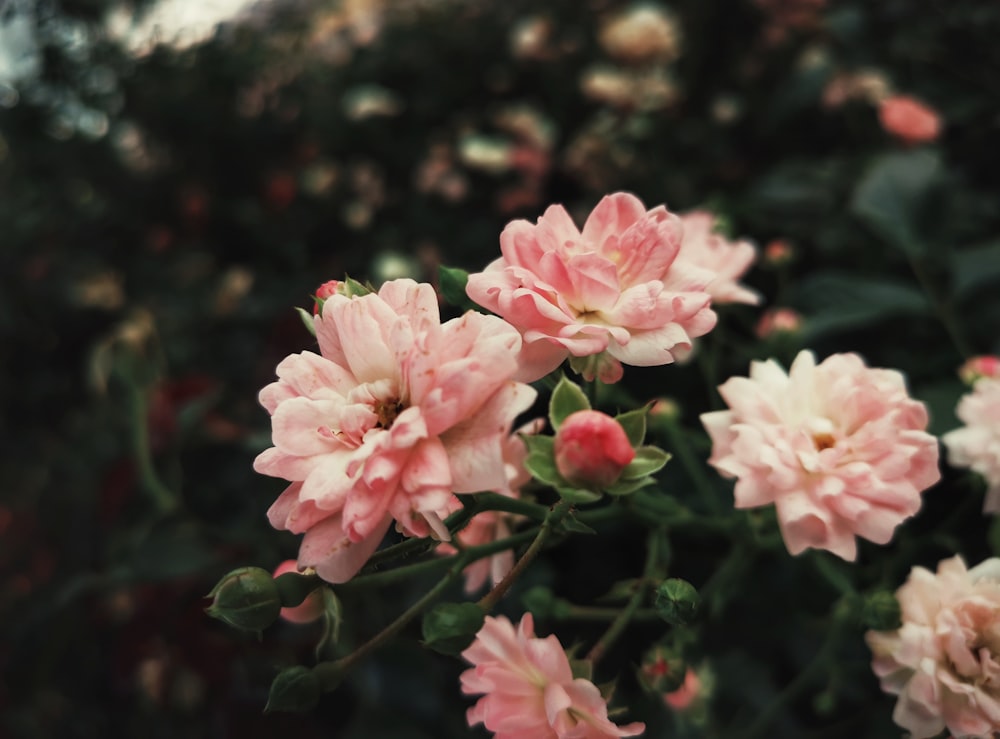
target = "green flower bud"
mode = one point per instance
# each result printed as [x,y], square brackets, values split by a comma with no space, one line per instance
[247,598]
[543,603]
[450,627]
[677,601]
[880,611]
[663,670]
[294,690]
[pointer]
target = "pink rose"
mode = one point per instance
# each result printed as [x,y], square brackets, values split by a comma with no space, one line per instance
[684,697]
[528,687]
[944,662]
[977,444]
[839,448]
[976,368]
[591,449]
[310,609]
[909,120]
[396,413]
[613,292]
[490,526]
[726,260]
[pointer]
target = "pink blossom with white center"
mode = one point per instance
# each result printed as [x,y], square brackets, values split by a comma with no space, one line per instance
[613,293]
[977,444]
[490,526]
[944,661]
[395,413]
[839,448]
[727,260]
[528,687]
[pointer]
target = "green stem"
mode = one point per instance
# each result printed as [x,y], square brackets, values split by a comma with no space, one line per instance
[694,467]
[489,601]
[161,496]
[331,673]
[795,688]
[604,613]
[832,574]
[941,308]
[627,613]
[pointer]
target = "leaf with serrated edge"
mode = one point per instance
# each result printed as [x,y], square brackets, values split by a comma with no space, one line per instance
[567,398]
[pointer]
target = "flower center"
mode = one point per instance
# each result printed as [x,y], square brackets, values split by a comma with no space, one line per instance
[824,441]
[386,411]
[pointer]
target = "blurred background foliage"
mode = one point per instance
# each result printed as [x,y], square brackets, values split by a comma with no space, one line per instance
[163,208]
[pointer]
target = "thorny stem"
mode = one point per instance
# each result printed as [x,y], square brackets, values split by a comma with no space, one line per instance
[489,601]
[627,613]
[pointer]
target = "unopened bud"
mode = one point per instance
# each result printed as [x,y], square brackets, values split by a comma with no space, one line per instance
[450,627]
[676,601]
[324,291]
[591,449]
[303,602]
[294,690]
[778,321]
[979,367]
[246,598]
[663,670]
[880,611]
[778,253]
[665,409]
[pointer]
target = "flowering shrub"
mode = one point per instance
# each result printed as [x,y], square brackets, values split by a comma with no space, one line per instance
[402,418]
[977,444]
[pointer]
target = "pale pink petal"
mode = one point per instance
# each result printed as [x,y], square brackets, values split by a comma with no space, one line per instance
[335,556]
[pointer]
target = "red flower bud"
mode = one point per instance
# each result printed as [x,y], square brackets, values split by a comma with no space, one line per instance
[324,291]
[592,449]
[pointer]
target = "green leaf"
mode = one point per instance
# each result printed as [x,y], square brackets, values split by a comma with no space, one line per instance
[634,423]
[648,460]
[891,196]
[571,523]
[834,302]
[627,487]
[576,496]
[452,282]
[567,398]
[449,628]
[974,268]
[541,461]
[307,320]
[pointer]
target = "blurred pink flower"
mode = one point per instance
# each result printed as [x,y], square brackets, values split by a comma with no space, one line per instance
[778,321]
[528,687]
[839,448]
[726,260]
[977,444]
[490,526]
[944,662]
[396,413]
[310,609]
[909,120]
[613,293]
[978,367]
[684,697]
[592,449]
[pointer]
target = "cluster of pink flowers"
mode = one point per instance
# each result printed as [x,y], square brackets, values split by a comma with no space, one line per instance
[528,687]
[839,448]
[944,661]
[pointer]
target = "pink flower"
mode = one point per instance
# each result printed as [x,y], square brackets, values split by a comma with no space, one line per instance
[976,368]
[726,260]
[396,413]
[839,448]
[310,609]
[944,662]
[324,291]
[612,293]
[909,120]
[591,449]
[490,526]
[977,444]
[528,687]
[778,321]
[684,697]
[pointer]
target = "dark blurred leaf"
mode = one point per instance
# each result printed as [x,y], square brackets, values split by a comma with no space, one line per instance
[836,302]
[170,550]
[891,195]
[971,269]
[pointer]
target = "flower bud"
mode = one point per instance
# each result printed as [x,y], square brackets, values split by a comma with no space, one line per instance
[665,409]
[300,593]
[979,367]
[324,291]
[247,598]
[662,670]
[676,601]
[294,690]
[778,321]
[684,697]
[450,627]
[880,611]
[591,449]
[778,252]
